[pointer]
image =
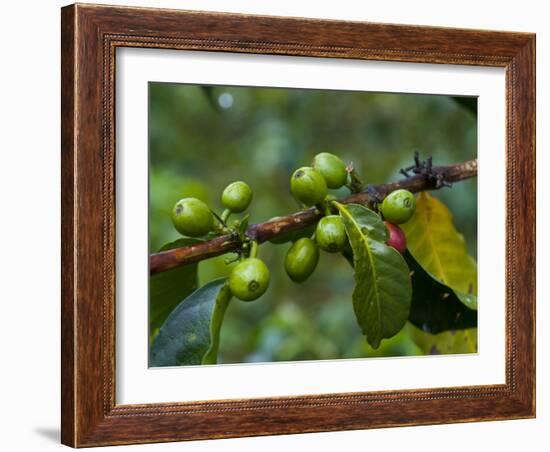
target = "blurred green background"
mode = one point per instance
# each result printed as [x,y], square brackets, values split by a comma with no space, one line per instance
[201,138]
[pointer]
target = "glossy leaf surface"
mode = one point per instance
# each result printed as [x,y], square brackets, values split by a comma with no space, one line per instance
[382,294]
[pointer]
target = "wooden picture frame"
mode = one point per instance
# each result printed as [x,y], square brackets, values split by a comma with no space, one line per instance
[90,36]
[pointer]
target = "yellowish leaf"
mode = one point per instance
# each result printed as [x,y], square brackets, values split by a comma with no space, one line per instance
[440,249]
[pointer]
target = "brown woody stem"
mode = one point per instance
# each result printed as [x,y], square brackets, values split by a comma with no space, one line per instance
[261,232]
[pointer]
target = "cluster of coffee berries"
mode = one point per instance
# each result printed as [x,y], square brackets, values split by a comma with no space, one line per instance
[191,217]
[309,185]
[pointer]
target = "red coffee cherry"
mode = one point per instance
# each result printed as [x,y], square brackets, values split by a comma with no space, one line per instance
[396,237]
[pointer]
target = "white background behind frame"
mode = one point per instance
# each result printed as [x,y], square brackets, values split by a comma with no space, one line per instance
[36,130]
[138,384]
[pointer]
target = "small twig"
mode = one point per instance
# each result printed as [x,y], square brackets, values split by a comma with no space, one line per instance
[425,177]
[356,184]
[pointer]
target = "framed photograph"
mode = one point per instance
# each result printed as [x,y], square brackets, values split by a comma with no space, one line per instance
[281,225]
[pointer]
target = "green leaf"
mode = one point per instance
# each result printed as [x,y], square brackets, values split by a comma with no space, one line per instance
[222,301]
[469,103]
[440,249]
[382,294]
[190,334]
[435,307]
[167,289]
[449,342]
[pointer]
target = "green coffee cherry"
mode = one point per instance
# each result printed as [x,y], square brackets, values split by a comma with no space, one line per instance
[249,279]
[332,168]
[399,206]
[308,186]
[330,234]
[301,259]
[237,197]
[192,217]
